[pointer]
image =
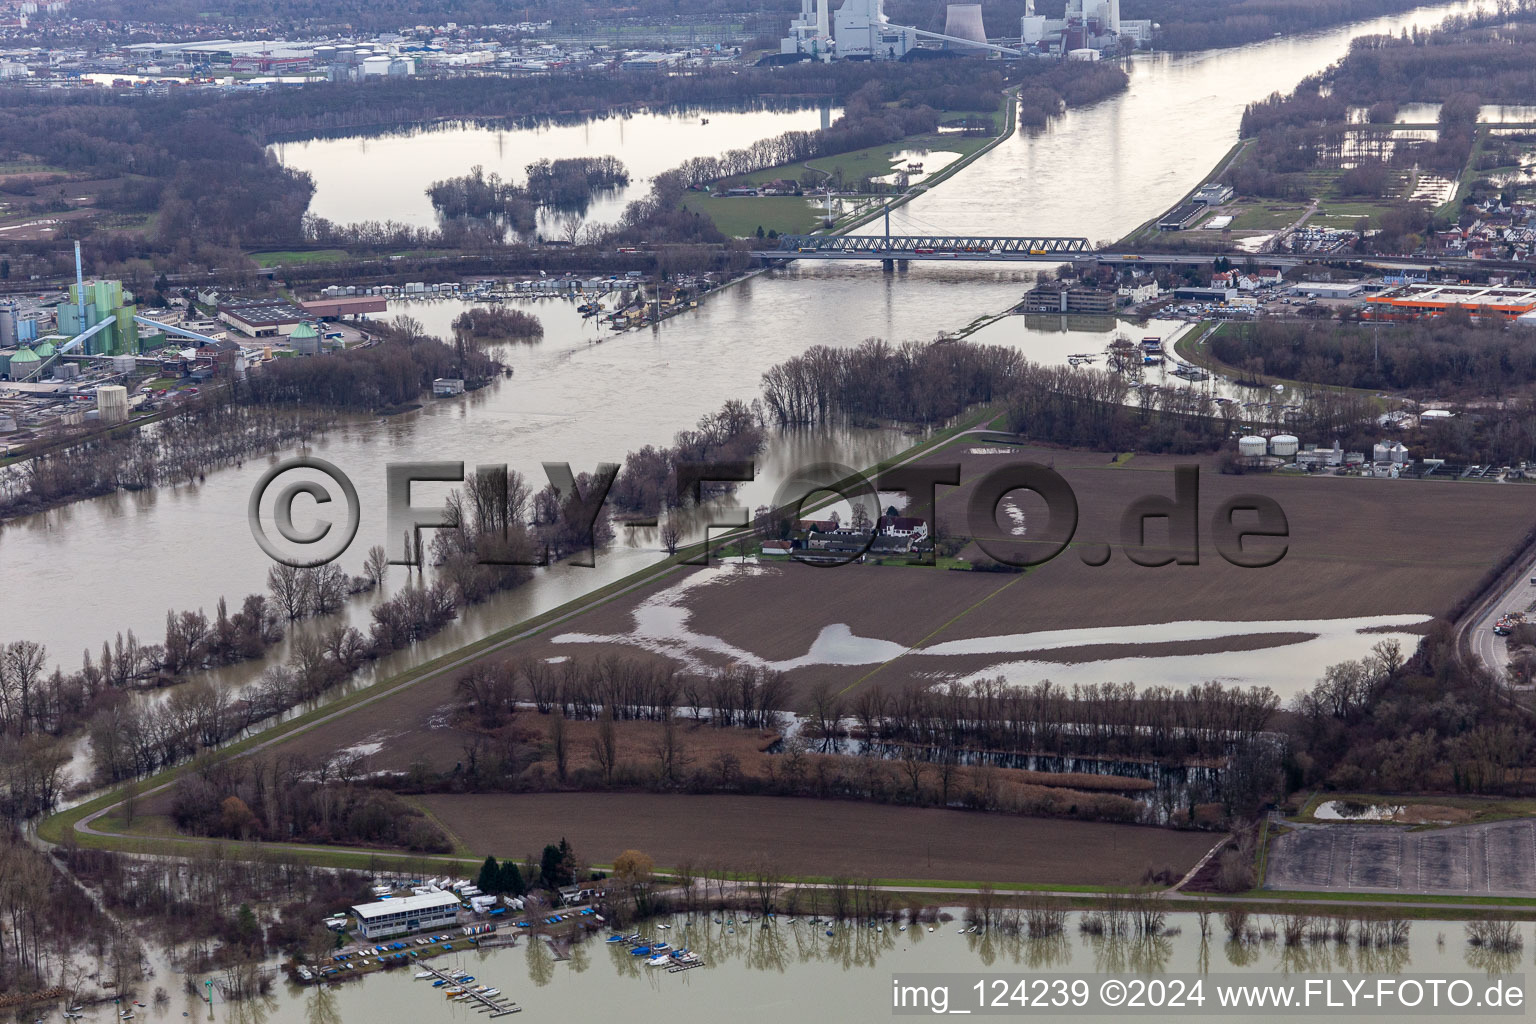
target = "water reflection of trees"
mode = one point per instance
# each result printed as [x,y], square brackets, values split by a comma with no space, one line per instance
[255,1010]
[1045,951]
[322,1006]
[1130,954]
[541,962]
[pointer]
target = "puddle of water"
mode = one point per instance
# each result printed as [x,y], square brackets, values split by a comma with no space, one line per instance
[1349,810]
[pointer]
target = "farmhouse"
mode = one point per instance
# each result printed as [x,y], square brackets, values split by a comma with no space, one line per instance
[902,526]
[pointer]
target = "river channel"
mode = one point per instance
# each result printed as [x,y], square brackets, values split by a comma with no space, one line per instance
[583,395]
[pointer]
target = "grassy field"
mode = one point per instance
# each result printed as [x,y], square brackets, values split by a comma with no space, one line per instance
[741,216]
[819,838]
[299,257]
[1264,217]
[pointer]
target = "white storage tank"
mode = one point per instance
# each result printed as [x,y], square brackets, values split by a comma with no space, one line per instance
[112,403]
[1399,453]
[1284,445]
[1381,451]
[1252,447]
[123,364]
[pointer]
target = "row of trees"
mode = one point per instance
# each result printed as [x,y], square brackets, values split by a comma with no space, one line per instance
[649,481]
[625,689]
[914,382]
[36,701]
[1445,356]
[289,798]
[398,369]
[1206,721]
[201,435]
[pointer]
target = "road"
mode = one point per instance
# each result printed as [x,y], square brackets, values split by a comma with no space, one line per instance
[1518,596]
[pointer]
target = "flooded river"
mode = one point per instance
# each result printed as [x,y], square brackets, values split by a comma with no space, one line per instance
[583,396]
[793,969]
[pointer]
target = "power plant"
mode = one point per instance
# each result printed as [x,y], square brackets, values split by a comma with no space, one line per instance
[963,21]
[860,30]
[1084,25]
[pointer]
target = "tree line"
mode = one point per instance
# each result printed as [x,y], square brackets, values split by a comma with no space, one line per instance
[289,798]
[648,483]
[1447,356]
[204,434]
[915,382]
[399,368]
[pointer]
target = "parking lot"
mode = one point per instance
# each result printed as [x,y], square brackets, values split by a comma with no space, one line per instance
[1498,858]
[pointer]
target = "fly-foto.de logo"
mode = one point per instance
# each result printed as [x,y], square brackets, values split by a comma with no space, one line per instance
[1248,530]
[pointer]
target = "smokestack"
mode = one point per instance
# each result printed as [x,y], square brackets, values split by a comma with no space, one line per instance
[823,20]
[79,288]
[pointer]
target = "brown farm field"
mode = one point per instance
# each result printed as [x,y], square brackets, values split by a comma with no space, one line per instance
[1358,548]
[818,838]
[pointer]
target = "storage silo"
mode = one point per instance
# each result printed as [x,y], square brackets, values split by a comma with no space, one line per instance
[305,340]
[112,403]
[1252,446]
[1284,445]
[25,364]
[7,326]
[124,364]
[1381,451]
[963,21]
[1399,453]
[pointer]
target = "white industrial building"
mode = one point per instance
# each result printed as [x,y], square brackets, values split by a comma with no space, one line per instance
[862,32]
[859,30]
[1084,25]
[408,914]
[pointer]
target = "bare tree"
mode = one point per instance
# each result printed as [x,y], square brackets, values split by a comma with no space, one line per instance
[558,741]
[288,590]
[376,565]
[671,531]
[605,746]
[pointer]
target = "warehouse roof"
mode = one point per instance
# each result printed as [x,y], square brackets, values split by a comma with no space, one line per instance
[431,901]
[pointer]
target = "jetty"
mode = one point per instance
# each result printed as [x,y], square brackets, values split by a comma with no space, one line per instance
[491,1006]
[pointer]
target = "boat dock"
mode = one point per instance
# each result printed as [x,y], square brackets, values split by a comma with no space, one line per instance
[492,1006]
[638,946]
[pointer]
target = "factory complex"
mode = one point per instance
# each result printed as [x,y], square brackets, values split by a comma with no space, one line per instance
[860,30]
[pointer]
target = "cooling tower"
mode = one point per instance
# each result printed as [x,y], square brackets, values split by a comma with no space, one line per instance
[963,21]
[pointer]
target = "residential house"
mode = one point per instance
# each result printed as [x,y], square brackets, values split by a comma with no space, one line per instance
[914,527]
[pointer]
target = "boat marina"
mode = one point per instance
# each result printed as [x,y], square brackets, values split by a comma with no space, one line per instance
[458,986]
